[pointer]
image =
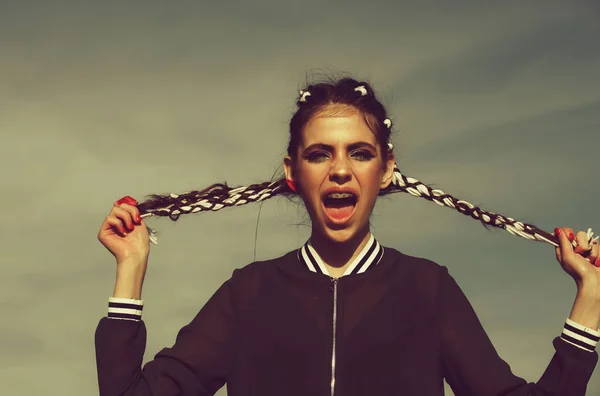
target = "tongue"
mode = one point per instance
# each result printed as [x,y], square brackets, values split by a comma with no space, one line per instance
[339,213]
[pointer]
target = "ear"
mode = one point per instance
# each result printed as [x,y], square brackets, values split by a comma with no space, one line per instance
[389,170]
[287,167]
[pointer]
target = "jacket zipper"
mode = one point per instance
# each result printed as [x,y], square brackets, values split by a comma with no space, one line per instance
[335,284]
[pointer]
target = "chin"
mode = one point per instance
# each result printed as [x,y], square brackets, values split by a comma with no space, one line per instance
[339,234]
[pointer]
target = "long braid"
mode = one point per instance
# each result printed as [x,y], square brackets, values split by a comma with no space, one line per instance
[212,198]
[219,196]
[414,187]
[312,100]
[215,197]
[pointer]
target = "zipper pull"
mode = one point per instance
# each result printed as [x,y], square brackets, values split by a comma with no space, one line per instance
[334,281]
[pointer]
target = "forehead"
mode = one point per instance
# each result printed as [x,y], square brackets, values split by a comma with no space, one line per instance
[337,124]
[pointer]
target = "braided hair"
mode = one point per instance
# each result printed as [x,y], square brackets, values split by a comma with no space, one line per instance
[312,100]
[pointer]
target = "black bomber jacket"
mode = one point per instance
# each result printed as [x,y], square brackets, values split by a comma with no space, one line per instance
[392,325]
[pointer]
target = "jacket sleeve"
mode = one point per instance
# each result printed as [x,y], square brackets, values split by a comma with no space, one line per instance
[197,364]
[472,366]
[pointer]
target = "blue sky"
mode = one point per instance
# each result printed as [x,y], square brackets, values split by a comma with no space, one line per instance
[497,104]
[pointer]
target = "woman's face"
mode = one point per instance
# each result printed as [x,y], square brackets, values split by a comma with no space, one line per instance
[339,155]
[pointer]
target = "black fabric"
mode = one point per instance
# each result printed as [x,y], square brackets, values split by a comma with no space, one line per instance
[402,327]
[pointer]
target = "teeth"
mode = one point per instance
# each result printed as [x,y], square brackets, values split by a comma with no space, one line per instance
[340,195]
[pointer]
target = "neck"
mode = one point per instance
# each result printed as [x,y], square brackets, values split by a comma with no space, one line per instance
[337,256]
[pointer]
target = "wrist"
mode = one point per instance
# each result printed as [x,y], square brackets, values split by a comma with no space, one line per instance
[589,291]
[586,309]
[128,290]
[132,262]
[129,282]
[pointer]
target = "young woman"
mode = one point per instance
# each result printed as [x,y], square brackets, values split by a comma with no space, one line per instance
[341,315]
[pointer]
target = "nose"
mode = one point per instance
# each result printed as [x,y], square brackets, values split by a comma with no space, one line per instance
[340,171]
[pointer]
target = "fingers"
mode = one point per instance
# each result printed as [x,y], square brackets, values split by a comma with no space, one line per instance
[582,242]
[558,255]
[116,224]
[133,212]
[127,214]
[124,215]
[569,233]
[594,252]
[582,245]
[130,205]
[126,199]
[564,249]
[584,248]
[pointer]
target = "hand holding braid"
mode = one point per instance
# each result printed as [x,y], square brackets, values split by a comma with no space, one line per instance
[575,262]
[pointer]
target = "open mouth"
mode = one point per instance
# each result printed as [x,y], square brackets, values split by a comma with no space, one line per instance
[340,206]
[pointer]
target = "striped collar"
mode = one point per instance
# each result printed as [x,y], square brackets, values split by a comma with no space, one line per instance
[370,256]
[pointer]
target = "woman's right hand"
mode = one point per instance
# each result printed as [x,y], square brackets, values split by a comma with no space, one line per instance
[124,234]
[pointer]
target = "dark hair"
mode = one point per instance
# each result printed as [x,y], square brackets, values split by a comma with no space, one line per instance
[346,91]
[313,100]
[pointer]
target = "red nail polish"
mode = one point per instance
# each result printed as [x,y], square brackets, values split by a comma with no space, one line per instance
[571,237]
[557,231]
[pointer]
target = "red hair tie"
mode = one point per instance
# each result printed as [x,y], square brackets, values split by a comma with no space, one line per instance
[291,185]
[127,200]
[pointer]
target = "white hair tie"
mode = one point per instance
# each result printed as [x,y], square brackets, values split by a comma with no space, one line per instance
[362,90]
[390,146]
[388,123]
[303,95]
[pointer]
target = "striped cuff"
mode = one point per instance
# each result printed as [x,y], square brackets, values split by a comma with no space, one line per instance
[125,308]
[580,336]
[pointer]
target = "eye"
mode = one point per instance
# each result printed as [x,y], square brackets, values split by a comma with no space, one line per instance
[317,156]
[363,155]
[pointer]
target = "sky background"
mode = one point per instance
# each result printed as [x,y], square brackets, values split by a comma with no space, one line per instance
[497,104]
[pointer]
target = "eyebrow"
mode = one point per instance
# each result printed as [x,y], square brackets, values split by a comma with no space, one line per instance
[351,146]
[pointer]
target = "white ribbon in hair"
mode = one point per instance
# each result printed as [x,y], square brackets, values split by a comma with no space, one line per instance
[303,95]
[361,89]
[388,123]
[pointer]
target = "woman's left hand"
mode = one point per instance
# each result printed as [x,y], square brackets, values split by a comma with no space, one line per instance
[581,269]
